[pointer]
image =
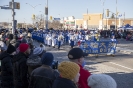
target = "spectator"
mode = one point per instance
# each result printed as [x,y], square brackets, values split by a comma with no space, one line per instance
[9,38]
[20,71]
[69,75]
[3,46]
[6,67]
[101,81]
[15,42]
[44,76]
[34,60]
[76,55]
[23,39]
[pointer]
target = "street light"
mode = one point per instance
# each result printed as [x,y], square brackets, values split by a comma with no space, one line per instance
[33,9]
[116,17]
[102,1]
[25,23]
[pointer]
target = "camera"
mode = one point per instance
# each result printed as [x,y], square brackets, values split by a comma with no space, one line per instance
[55,65]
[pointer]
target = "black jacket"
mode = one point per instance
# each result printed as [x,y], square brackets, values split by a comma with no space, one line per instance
[6,70]
[43,77]
[20,71]
[63,83]
[33,62]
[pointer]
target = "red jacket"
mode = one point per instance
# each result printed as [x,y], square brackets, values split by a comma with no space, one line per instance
[84,74]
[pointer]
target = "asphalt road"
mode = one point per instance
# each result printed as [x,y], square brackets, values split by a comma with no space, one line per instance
[119,67]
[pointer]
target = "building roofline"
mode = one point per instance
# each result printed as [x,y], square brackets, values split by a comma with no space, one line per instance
[92,13]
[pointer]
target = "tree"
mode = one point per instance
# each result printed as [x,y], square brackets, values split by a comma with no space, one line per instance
[19,25]
[40,21]
[5,24]
[55,24]
[112,16]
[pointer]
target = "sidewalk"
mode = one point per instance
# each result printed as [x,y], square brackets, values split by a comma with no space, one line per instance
[125,47]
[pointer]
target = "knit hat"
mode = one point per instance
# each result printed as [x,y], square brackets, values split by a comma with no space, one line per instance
[47,59]
[68,69]
[23,47]
[38,51]
[101,81]
[75,53]
[10,49]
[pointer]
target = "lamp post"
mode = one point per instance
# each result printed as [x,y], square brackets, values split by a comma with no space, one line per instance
[102,1]
[33,10]
[116,17]
[25,26]
[46,13]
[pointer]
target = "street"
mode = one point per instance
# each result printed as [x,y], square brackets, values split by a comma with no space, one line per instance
[119,67]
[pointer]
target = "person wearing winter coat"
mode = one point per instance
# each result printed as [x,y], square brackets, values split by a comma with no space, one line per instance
[7,67]
[9,38]
[76,55]
[20,68]
[34,59]
[69,75]
[44,76]
[3,46]
[15,42]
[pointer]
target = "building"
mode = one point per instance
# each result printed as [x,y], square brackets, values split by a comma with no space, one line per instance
[95,21]
[69,22]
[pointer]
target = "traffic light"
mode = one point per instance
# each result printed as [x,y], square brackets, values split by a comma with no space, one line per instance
[107,12]
[51,17]
[17,5]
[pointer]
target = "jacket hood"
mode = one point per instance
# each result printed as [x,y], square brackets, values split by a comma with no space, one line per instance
[3,55]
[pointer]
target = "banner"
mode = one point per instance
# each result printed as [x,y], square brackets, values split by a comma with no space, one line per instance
[96,47]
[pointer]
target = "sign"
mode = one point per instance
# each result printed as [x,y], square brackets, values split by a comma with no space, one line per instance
[57,19]
[6,8]
[96,47]
[16,5]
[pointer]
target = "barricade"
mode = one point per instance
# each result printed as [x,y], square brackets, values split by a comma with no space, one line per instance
[99,47]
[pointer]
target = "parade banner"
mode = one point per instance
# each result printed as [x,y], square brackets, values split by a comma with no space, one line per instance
[97,47]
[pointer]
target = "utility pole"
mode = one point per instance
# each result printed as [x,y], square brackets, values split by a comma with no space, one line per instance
[124,19]
[116,17]
[13,18]
[46,13]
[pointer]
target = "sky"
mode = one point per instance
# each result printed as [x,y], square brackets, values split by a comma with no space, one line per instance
[65,8]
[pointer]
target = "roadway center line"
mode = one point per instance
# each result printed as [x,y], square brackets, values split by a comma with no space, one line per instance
[121,66]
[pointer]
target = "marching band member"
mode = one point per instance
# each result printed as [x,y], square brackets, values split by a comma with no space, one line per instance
[72,39]
[49,39]
[60,39]
[53,40]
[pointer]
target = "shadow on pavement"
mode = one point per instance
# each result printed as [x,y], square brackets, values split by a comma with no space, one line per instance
[126,83]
